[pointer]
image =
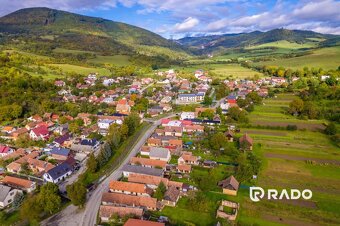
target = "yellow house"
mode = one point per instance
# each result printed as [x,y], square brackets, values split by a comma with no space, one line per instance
[229,186]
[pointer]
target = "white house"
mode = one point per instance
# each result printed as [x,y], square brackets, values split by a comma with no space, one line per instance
[58,173]
[7,195]
[104,125]
[187,115]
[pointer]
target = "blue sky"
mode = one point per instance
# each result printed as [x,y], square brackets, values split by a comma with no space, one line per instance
[180,18]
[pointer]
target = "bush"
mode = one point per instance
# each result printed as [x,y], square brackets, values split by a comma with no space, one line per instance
[292,127]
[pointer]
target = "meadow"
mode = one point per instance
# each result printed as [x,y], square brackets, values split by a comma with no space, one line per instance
[81,69]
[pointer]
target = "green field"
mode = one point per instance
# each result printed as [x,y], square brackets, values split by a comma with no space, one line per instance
[272,113]
[284,44]
[294,159]
[118,60]
[81,70]
[326,58]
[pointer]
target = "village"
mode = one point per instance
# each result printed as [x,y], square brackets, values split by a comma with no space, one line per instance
[56,146]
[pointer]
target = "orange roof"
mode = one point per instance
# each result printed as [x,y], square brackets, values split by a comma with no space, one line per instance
[42,165]
[175,142]
[18,182]
[129,200]
[7,128]
[189,157]
[127,186]
[137,222]
[154,141]
[108,211]
[147,179]
[14,166]
[14,155]
[184,167]
[28,156]
[148,162]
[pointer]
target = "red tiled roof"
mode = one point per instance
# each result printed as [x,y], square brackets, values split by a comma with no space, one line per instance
[19,182]
[136,222]
[148,162]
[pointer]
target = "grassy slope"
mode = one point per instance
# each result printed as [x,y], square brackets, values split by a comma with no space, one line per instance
[285,45]
[327,58]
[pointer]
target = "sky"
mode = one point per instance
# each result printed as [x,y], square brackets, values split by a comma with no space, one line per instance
[181,18]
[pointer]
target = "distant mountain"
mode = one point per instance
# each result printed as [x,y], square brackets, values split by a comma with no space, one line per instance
[52,28]
[215,42]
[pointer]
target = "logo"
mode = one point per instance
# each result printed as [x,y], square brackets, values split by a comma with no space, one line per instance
[258,193]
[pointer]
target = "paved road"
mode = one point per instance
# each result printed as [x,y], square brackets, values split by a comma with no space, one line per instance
[72,216]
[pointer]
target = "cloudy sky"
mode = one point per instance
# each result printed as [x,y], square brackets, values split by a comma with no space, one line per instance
[180,18]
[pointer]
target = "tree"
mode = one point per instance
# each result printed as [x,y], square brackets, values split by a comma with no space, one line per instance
[254,97]
[296,106]
[48,198]
[217,141]
[74,127]
[77,193]
[160,191]
[114,136]
[209,113]
[18,199]
[92,164]
[132,121]
[331,129]
[207,100]
[30,209]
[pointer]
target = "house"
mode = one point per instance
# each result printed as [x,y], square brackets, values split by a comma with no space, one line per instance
[136,222]
[7,195]
[59,83]
[19,183]
[124,106]
[130,188]
[19,132]
[145,150]
[209,164]
[117,199]
[39,133]
[230,185]
[193,128]
[127,169]
[155,110]
[152,163]
[229,135]
[187,115]
[5,150]
[160,154]
[104,126]
[171,196]
[155,142]
[183,168]
[176,131]
[246,142]
[62,140]
[39,167]
[85,145]
[60,153]
[61,129]
[106,212]
[58,173]
[188,158]
[153,181]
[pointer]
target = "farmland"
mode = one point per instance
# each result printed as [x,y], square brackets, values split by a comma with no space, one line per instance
[293,159]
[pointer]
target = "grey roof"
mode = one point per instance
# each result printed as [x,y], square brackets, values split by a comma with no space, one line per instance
[4,192]
[60,151]
[143,170]
[159,152]
[59,170]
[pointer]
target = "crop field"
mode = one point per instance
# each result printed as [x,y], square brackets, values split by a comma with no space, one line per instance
[81,70]
[272,113]
[326,58]
[294,159]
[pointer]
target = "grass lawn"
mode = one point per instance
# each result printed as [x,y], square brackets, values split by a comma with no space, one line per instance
[11,219]
[285,45]
[326,58]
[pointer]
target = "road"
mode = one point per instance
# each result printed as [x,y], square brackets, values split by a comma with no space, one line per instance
[72,216]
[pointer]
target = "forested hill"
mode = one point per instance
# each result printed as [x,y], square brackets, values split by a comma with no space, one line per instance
[242,40]
[49,28]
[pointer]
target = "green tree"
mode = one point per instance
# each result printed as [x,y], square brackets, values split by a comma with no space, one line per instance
[296,106]
[92,164]
[48,198]
[160,191]
[207,100]
[77,193]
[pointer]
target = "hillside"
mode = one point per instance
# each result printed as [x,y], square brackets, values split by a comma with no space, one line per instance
[47,29]
[243,40]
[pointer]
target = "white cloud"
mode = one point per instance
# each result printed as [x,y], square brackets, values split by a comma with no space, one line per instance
[187,25]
